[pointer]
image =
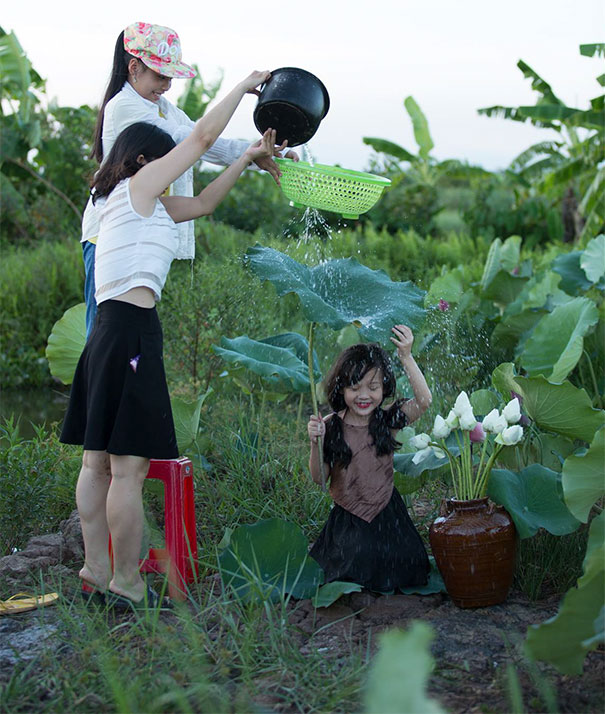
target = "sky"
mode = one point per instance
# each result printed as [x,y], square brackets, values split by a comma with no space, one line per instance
[452,57]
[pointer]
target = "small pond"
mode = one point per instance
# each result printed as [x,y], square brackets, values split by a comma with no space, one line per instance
[34,406]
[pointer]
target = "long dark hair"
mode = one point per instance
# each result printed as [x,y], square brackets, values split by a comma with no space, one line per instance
[350,368]
[138,138]
[119,75]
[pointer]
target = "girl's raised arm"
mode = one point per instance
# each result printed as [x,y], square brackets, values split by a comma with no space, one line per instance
[151,181]
[413,408]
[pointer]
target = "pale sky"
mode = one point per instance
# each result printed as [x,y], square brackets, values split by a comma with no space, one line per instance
[452,57]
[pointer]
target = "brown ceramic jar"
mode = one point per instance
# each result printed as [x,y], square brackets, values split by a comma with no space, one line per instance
[474,545]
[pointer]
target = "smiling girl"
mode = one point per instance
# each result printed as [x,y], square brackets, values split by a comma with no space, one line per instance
[369,537]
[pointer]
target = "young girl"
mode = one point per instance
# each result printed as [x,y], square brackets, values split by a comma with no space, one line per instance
[369,538]
[146,59]
[119,407]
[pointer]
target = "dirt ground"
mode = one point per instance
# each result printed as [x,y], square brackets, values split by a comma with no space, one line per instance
[471,648]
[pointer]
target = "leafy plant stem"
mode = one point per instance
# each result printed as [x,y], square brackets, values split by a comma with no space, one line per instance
[320,444]
[595,386]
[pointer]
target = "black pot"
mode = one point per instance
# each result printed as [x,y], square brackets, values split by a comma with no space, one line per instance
[293,102]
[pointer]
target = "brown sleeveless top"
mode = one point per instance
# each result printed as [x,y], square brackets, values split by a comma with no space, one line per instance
[365,487]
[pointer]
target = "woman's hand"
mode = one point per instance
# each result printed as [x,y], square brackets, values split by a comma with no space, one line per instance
[254,80]
[404,339]
[263,148]
[316,428]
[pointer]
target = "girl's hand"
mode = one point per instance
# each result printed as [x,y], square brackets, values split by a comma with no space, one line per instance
[253,81]
[404,339]
[262,148]
[316,428]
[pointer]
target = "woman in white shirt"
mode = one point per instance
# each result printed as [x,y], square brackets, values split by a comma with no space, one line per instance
[146,59]
[119,408]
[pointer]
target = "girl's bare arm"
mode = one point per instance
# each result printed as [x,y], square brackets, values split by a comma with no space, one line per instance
[413,408]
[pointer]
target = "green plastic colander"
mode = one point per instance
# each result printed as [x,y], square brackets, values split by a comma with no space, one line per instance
[330,188]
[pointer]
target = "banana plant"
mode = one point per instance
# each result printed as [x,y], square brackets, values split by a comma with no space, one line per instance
[571,161]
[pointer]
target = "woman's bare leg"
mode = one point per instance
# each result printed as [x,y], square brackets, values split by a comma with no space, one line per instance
[125,520]
[91,500]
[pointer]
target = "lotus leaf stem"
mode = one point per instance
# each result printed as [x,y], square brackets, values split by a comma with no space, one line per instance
[320,443]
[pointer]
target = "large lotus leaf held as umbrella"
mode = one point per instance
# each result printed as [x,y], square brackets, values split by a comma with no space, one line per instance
[342,292]
[66,342]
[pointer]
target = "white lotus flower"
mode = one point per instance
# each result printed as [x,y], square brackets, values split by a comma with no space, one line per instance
[512,411]
[510,436]
[468,421]
[422,455]
[441,430]
[494,422]
[462,404]
[452,420]
[420,441]
[439,453]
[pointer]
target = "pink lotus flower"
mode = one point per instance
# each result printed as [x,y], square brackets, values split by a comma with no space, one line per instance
[444,305]
[477,435]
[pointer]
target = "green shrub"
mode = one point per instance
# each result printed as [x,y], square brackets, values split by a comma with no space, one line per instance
[37,482]
[36,286]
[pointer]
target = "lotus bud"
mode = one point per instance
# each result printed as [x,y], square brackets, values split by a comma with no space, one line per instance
[444,305]
[512,411]
[452,420]
[477,435]
[467,421]
[494,422]
[420,441]
[439,453]
[462,404]
[422,455]
[440,428]
[510,436]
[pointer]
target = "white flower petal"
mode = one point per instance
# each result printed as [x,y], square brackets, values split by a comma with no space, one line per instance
[452,419]
[441,430]
[462,404]
[512,411]
[420,441]
[422,455]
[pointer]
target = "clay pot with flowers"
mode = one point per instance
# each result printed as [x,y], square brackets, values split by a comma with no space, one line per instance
[473,540]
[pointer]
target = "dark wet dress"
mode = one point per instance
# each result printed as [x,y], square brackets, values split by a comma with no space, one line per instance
[369,537]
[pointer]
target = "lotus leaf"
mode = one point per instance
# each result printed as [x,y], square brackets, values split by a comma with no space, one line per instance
[66,342]
[448,287]
[400,671]
[330,592]
[533,499]
[556,343]
[573,278]
[269,559]
[404,465]
[592,260]
[501,257]
[277,360]
[434,585]
[584,478]
[561,408]
[512,331]
[565,639]
[484,400]
[186,417]
[342,292]
[504,288]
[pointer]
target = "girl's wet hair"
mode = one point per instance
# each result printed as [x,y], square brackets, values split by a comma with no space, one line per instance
[139,138]
[349,369]
[119,75]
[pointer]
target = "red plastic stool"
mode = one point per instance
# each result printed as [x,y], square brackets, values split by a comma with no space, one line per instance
[179,558]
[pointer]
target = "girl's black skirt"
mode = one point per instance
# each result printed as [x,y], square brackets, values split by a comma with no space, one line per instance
[119,399]
[383,555]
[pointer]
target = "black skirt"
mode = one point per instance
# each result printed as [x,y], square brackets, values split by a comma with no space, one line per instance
[119,399]
[383,555]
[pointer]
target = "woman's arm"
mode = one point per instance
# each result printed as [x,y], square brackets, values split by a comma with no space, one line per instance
[182,208]
[151,181]
[413,408]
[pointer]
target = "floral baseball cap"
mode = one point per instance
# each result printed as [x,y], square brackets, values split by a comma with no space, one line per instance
[158,47]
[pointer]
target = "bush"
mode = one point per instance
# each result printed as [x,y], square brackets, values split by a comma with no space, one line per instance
[37,481]
[37,286]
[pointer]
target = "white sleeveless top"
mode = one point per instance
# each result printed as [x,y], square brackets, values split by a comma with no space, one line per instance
[132,250]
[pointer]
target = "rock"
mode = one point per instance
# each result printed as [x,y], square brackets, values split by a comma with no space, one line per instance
[73,544]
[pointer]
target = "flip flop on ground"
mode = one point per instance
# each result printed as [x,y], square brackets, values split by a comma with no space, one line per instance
[23,602]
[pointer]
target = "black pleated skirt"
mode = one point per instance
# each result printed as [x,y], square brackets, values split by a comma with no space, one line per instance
[119,399]
[383,555]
